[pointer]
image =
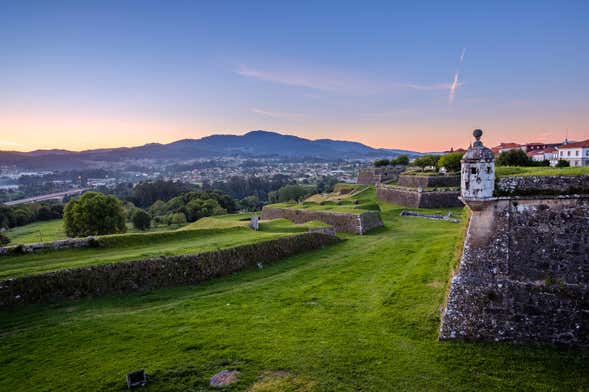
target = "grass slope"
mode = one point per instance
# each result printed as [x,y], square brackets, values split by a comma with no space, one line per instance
[53,230]
[508,171]
[359,201]
[133,246]
[359,315]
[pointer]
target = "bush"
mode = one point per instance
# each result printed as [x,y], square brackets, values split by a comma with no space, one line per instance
[513,158]
[400,160]
[427,160]
[141,220]
[4,240]
[451,161]
[381,162]
[94,214]
[563,163]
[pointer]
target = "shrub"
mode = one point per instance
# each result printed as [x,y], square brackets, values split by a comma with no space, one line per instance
[94,214]
[4,240]
[141,220]
[513,158]
[451,161]
[381,162]
[400,160]
[563,163]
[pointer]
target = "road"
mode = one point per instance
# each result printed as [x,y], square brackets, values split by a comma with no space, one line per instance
[50,196]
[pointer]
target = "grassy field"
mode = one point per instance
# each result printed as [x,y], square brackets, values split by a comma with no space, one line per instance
[359,315]
[221,233]
[506,171]
[357,202]
[53,230]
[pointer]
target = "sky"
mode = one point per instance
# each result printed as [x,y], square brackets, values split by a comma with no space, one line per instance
[414,75]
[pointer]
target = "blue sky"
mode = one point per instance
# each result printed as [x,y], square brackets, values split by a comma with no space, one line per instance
[98,74]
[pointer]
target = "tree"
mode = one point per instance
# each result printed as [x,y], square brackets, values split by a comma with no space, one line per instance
[513,158]
[381,162]
[451,161]
[4,240]
[426,160]
[94,214]
[141,220]
[400,160]
[563,163]
[295,192]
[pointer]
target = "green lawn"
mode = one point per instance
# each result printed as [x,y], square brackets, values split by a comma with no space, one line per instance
[357,203]
[507,171]
[359,315]
[136,246]
[53,230]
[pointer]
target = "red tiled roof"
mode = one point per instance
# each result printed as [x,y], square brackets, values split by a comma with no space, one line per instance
[584,143]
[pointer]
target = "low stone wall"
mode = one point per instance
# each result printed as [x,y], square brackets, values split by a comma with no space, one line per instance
[42,246]
[415,181]
[342,222]
[413,198]
[377,175]
[530,185]
[150,274]
[524,273]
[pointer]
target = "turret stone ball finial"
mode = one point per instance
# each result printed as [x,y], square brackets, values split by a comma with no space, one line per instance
[477,133]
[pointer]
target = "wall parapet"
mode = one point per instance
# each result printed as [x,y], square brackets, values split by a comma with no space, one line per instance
[154,273]
[417,198]
[538,185]
[342,222]
[415,180]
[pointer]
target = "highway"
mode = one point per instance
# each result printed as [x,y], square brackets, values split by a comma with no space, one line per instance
[50,196]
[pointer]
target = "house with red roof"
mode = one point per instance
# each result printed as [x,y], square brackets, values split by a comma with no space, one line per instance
[577,153]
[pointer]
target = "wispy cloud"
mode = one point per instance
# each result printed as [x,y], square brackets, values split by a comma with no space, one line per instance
[334,82]
[276,114]
[455,82]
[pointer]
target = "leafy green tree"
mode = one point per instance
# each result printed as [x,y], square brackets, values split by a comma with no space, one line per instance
[451,161]
[94,214]
[141,220]
[400,160]
[513,158]
[295,192]
[4,240]
[563,163]
[381,162]
[198,208]
[250,203]
[426,160]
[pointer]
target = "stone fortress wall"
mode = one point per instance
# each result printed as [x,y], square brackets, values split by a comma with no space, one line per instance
[378,175]
[150,274]
[342,222]
[415,198]
[438,181]
[524,273]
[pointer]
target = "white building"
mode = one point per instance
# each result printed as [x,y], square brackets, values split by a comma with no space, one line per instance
[577,154]
[478,171]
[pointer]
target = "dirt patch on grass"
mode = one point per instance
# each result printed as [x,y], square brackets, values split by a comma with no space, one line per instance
[283,381]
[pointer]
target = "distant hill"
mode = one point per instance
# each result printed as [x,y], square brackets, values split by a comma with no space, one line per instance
[252,144]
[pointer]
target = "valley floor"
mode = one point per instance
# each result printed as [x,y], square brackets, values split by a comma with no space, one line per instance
[360,315]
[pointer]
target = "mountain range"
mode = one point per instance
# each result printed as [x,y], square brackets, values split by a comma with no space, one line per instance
[252,144]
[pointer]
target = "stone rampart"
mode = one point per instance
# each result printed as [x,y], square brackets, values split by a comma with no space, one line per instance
[342,222]
[43,246]
[534,185]
[150,274]
[415,198]
[524,273]
[415,181]
[377,175]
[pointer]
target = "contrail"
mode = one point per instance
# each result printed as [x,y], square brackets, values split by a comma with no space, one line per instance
[455,84]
